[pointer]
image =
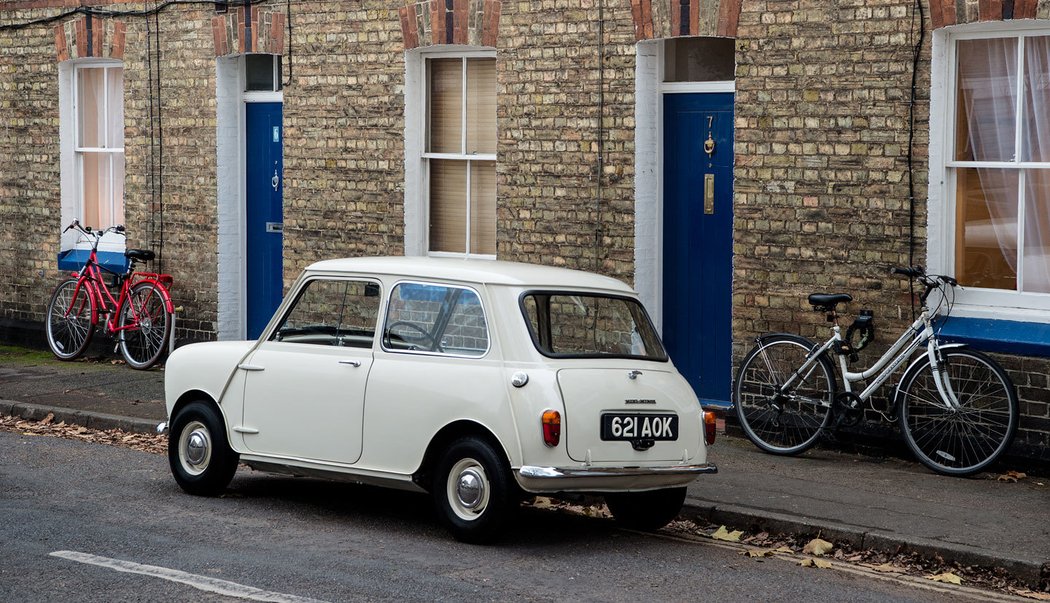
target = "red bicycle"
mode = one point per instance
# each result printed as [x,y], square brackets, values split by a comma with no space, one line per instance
[140,317]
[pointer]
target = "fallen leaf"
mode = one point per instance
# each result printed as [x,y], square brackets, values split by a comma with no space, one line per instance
[759,553]
[817,547]
[723,534]
[1011,476]
[886,567]
[947,577]
[784,550]
[814,562]
[48,419]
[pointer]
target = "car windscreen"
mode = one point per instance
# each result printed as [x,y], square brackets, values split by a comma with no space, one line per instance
[567,324]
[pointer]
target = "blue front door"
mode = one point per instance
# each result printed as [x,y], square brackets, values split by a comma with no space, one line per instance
[698,240]
[264,221]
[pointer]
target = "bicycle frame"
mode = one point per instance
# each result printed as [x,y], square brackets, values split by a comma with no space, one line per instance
[920,332]
[90,276]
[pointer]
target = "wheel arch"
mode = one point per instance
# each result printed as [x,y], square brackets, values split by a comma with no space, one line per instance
[444,437]
[195,395]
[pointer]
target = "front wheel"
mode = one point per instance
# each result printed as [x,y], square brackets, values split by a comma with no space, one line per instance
[70,320]
[647,511]
[200,457]
[145,326]
[968,439]
[777,418]
[472,490]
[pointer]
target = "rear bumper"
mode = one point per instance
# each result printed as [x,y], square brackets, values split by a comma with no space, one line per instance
[539,480]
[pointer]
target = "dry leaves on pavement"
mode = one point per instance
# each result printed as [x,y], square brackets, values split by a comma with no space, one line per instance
[946,577]
[1011,477]
[815,562]
[145,442]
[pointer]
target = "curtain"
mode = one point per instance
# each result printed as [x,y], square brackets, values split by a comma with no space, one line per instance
[1035,137]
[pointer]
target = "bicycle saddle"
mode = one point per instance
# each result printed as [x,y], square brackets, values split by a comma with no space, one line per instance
[141,255]
[828,301]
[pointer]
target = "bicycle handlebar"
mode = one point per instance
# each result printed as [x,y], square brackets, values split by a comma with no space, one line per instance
[75,224]
[929,281]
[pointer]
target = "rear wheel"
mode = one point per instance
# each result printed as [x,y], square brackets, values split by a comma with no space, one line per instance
[472,490]
[145,325]
[69,320]
[200,457]
[646,510]
[966,440]
[777,419]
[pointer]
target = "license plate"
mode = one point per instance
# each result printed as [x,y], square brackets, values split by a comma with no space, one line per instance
[626,427]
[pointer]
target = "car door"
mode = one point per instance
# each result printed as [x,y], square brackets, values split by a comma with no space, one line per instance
[305,385]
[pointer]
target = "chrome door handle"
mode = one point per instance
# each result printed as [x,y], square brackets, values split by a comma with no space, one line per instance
[251,367]
[353,363]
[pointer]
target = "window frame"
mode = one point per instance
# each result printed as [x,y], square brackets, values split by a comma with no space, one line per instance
[418,184]
[269,335]
[942,207]
[79,151]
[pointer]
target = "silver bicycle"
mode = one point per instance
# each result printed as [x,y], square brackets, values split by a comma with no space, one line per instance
[957,407]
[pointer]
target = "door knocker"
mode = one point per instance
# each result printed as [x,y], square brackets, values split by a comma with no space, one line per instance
[276,180]
[709,144]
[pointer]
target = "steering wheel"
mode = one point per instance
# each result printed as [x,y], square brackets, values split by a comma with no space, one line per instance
[422,336]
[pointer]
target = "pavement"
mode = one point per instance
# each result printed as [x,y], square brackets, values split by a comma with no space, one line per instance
[875,502]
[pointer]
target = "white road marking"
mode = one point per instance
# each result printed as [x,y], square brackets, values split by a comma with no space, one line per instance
[205,583]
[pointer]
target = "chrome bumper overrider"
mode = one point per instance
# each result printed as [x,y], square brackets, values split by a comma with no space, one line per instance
[599,479]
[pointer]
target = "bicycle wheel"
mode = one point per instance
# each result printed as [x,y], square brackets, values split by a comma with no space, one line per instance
[963,441]
[145,325]
[70,323]
[789,421]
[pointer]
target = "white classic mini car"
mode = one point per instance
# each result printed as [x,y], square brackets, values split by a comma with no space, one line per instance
[480,382]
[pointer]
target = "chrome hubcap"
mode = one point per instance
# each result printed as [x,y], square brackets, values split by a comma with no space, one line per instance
[468,489]
[195,448]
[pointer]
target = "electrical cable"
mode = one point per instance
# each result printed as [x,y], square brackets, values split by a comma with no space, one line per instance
[916,57]
[601,133]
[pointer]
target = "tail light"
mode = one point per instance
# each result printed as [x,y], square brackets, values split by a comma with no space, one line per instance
[551,427]
[710,421]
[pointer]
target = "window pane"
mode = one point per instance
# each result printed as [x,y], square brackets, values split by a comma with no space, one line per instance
[115,118]
[339,313]
[118,188]
[1036,133]
[445,112]
[466,333]
[591,325]
[90,115]
[481,106]
[986,100]
[1036,271]
[435,318]
[258,72]
[97,190]
[448,205]
[699,60]
[986,228]
[483,207]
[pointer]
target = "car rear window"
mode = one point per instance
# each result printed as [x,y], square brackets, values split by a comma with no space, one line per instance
[586,325]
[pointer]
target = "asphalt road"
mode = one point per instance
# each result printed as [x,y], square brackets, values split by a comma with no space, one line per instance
[88,522]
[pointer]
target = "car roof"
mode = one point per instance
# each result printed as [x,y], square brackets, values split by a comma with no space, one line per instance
[493,272]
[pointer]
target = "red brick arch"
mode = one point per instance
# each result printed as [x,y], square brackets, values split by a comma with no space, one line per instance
[257,29]
[946,12]
[673,18]
[90,36]
[437,22]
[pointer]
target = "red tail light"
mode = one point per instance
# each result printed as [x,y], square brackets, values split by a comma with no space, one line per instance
[551,427]
[710,421]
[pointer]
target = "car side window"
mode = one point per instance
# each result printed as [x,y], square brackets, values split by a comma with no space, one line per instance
[332,312]
[436,318]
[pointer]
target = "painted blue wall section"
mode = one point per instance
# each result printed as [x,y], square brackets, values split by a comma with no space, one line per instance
[1004,336]
[74,259]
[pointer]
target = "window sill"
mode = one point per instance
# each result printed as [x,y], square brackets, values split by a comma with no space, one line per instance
[1000,336]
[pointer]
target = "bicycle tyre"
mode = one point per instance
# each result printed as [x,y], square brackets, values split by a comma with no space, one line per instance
[68,335]
[960,442]
[791,422]
[144,345]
